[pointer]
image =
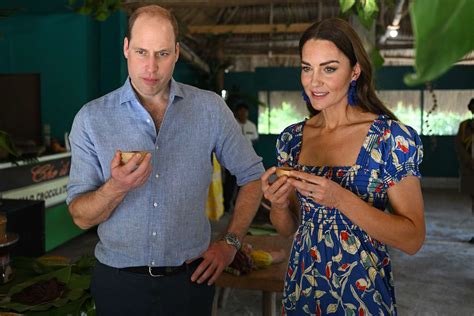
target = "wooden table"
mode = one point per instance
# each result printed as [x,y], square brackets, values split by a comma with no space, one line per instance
[269,280]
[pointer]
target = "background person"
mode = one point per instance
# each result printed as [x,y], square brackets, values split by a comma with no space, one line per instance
[465,152]
[249,129]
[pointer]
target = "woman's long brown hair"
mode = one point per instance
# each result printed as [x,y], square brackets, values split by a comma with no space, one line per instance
[346,40]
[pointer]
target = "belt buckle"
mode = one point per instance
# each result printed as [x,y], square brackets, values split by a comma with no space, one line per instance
[153,275]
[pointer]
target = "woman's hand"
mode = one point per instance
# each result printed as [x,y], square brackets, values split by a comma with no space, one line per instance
[320,189]
[284,211]
[278,192]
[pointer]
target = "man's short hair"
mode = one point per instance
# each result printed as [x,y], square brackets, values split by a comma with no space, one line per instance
[241,105]
[153,11]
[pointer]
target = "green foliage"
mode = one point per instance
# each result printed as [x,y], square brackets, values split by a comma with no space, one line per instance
[442,31]
[98,9]
[272,120]
[443,122]
[376,58]
[443,35]
[366,10]
[408,114]
[76,300]
[346,5]
[440,122]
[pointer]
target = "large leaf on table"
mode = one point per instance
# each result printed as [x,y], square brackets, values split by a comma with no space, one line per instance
[24,271]
[62,275]
[79,281]
[443,35]
[28,268]
[74,308]
[84,265]
[47,264]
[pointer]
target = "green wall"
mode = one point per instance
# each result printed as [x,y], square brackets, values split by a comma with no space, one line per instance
[59,226]
[61,48]
[440,158]
[78,60]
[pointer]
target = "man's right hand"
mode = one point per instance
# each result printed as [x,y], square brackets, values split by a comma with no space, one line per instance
[92,208]
[131,175]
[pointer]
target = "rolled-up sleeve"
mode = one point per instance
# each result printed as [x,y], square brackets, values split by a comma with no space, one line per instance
[232,149]
[85,174]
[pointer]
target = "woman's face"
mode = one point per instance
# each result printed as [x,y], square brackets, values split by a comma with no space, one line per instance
[326,74]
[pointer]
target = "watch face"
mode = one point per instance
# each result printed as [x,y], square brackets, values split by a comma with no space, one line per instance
[232,239]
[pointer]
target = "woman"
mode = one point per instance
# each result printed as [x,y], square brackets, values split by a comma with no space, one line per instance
[350,159]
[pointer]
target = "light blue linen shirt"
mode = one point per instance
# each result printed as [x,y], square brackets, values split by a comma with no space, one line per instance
[163,222]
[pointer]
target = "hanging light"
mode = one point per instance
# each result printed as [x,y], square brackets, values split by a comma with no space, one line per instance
[393,30]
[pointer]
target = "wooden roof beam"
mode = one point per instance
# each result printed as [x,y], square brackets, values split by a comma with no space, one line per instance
[248,28]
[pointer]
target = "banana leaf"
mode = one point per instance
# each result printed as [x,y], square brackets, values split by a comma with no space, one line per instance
[345,5]
[23,271]
[62,275]
[74,308]
[443,35]
[76,276]
[84,265]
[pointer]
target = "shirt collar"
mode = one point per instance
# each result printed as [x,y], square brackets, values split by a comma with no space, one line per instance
[127,94]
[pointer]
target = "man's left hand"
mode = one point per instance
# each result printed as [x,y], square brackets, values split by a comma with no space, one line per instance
[218,256]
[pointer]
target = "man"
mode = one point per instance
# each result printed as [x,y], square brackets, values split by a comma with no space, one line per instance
[465,151]
[154,256]
[248,127]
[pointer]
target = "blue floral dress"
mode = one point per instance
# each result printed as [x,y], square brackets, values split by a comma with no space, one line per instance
[335,267]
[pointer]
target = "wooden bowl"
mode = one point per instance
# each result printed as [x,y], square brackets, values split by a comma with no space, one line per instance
[127,155]
[283,171]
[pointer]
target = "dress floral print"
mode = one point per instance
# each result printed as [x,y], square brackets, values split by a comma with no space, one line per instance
[335,267]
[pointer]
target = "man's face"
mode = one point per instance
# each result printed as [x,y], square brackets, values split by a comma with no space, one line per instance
[151,55]
[242,115]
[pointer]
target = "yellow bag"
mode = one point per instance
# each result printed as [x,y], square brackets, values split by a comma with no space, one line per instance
[215,197]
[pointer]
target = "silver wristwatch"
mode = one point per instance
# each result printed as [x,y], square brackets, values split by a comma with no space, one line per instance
[231,239]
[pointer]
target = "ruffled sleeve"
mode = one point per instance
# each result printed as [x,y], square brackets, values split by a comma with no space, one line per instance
[287,145]
[402,153]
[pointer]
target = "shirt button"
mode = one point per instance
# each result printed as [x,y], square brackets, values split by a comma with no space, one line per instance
[155,204]
[154,233]
[153,263]
[148,120]
[157,175]
[157,147]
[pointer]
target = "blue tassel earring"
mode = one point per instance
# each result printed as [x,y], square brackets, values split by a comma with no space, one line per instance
[352,93]
[306,98]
